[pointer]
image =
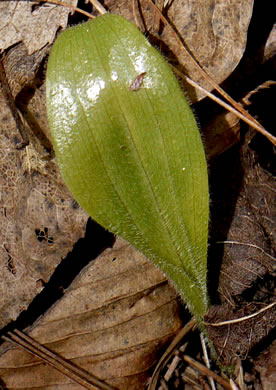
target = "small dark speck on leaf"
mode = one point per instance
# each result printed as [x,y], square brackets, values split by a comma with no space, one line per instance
[137,82]
[74,205]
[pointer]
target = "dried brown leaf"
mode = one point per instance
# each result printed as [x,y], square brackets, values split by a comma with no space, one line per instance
[221,133]
[39,220]
[24,20]
[216,36]
[110,322]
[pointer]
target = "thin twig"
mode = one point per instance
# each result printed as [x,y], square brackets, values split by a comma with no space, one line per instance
[206,360]
[247,244]
[135,14]
[172,368]
[75,373]
[236,320]
[233,385]
[187,378]
[98,7]
[201,368]
[164,384]
[166,356]
[239,114]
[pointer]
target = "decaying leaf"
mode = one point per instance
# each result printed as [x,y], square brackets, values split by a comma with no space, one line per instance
[110,322]
[40,222]
[24,20]
[243,247]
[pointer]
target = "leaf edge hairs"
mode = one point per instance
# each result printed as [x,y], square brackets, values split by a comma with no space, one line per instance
[134,161]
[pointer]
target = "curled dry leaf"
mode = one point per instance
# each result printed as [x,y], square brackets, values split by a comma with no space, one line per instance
[25,75]
[40,222]
[109,322]
[222,132]
[216,35]
[24,20]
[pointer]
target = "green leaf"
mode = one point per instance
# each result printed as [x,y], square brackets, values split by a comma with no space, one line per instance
[129,149]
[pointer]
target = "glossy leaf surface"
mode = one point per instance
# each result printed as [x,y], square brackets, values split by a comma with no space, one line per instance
[132,158]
